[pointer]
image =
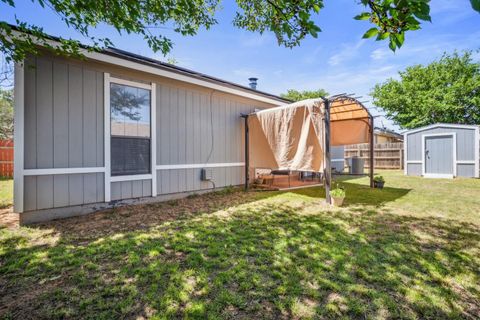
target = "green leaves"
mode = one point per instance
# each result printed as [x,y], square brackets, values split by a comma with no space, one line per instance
[6,113]
[363,16]
[447,90]
[296,95]
[393,19]
[290,20]
[370,33]
[475,5]
[147,18]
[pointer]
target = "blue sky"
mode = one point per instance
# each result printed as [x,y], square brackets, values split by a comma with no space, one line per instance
[338,60]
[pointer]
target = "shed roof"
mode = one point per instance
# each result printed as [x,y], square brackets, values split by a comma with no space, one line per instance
[444,125]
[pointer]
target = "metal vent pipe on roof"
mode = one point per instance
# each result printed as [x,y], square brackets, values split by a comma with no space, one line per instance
[253,83]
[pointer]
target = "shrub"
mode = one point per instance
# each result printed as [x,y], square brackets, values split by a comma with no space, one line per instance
[337,193]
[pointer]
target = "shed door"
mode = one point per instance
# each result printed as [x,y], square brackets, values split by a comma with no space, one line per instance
[439,155]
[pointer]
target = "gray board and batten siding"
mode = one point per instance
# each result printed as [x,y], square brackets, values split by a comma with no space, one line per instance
[443,150]
[64,127]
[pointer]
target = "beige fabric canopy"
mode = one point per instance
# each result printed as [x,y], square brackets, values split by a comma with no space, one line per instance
[349,122]
[292,137]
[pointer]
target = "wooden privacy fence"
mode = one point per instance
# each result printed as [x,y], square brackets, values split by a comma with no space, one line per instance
[6,158]
[387,155]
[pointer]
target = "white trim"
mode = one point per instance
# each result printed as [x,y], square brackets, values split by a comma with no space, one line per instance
[477,152]
[53,171]
[131,83]
[107,155]
[337,160]
[153,138]
[176,76]
[454,155]
[131,177]
[466,162]
[443,125]
[153,134]
[405,154]
[199,165]
[414,162]
[18,137]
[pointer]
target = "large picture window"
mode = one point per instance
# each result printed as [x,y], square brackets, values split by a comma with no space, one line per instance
[130,130]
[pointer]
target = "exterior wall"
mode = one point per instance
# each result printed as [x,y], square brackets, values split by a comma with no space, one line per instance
[198,128]
[64,128]
[131,189]
[414,169]
[465,150]
[380,138]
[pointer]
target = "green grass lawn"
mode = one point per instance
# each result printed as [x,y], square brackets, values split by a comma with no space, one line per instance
[6,192]
[409,251]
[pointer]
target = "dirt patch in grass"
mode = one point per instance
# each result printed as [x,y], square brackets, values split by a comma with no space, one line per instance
[8,219]
[142,217]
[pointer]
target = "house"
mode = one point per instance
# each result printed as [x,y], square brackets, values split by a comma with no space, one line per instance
[119,127]
[443,151]
[384,135]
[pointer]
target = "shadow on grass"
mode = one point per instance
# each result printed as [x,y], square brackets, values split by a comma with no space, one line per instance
[251,260]
[357,194]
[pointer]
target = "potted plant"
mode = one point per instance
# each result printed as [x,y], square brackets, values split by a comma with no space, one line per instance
[337,195]
[378,182]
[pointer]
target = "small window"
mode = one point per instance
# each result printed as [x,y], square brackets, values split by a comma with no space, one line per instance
[130,130]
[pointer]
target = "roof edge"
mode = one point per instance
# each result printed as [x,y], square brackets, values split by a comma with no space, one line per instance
[217,83]
[441,124]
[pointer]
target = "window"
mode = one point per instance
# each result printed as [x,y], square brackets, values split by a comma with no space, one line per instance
[130,130]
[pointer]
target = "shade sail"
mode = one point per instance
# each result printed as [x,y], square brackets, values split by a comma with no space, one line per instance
[287,138]
[292,137]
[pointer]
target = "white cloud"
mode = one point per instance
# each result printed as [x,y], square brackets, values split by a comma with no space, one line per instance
[347,52]
[254,40]
[380,54]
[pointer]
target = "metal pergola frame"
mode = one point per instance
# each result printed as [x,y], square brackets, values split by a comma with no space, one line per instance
[328,168]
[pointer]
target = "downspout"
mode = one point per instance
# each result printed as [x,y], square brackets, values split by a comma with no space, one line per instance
[247,152]
[328,165]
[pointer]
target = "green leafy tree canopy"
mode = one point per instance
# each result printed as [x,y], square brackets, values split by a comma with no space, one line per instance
[290,20]
[296,95]
[447,90]
[6,113]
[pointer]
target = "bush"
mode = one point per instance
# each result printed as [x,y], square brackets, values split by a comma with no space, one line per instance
[337,193]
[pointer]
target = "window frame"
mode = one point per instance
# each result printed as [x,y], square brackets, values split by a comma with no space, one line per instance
[140,171]
[108,79]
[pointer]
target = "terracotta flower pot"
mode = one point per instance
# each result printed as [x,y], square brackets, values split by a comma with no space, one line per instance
[337,201]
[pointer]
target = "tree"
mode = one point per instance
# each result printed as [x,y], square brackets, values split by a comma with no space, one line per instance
[447,90]
[290,20]
[6,113]
[296,95]
[6,73]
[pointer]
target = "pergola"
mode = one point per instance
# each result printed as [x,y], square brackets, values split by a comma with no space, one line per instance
[299,136]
